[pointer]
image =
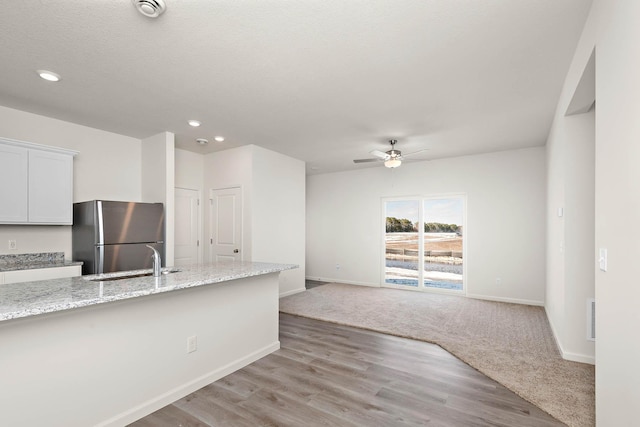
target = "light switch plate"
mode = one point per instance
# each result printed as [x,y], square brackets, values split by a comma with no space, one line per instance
[602,259]
[192,344]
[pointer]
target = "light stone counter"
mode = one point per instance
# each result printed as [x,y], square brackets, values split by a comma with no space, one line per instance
[34,261]
[119,350]
[21,300]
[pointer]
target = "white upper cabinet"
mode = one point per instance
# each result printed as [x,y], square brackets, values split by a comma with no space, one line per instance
[36,183]
[13,183]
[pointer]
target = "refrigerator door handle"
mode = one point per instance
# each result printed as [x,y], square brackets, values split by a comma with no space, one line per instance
[100,260]
[100,222]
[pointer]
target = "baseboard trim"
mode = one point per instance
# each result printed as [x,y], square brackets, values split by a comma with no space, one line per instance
[484,297]
[346,282]
[582,358]
[181,391]
[293,292]
[510,300]
[554,333]
[574,357]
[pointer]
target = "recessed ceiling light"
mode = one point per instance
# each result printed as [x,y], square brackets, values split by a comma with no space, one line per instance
[150,8]
[202,141]
[194,123]
[219,138]
[49,75]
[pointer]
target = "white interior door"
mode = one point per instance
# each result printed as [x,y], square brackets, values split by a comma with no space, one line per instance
[187,214]
[226,224]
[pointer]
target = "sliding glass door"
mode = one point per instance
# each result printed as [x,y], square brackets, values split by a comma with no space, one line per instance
[402,264]
[443,243]
[424,243]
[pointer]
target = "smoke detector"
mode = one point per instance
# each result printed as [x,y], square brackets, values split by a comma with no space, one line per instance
[202,141]
[150,8]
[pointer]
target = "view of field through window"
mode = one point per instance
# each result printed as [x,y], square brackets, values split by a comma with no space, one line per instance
[431,227]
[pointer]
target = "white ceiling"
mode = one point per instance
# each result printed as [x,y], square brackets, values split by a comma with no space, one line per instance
[324,81]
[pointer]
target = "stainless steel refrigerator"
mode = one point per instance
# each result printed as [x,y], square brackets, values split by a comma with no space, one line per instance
[113,236]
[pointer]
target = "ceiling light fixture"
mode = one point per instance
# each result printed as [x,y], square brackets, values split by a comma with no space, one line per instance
[393,162]
[150,8]
[219,138]
[194,123]
[202,141]
[49,75]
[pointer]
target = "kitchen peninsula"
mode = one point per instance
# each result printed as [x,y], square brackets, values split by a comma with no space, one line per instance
[91,350]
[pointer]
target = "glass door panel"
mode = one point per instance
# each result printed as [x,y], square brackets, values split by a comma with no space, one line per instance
[443,243]
[402,243]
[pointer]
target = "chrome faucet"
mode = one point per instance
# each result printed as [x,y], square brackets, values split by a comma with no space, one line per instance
[157,262]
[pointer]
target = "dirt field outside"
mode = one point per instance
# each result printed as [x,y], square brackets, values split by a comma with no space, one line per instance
[444,248]
[432,241]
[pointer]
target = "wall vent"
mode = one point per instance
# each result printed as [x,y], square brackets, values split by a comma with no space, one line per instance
[591,319]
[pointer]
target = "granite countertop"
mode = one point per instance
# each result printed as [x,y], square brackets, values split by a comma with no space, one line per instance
[34,261]
[19,300]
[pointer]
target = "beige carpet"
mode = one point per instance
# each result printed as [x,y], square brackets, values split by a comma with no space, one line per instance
[510,343]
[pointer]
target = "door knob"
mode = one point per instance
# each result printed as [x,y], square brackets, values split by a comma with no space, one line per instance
[235,251]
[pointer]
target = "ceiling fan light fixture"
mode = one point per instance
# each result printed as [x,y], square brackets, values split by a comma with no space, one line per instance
[392,163]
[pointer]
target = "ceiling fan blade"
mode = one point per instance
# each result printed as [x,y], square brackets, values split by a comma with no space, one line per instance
[367,160]
[380,154]
[415,152]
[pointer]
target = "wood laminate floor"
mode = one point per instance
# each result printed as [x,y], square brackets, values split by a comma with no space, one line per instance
[332,375]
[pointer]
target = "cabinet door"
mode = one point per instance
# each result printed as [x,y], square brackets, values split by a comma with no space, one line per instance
[21,276]
[13,184]
[50,187]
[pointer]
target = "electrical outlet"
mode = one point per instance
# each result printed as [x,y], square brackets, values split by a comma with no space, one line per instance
[337,266]
[12,245]
[498,280]
[192,344]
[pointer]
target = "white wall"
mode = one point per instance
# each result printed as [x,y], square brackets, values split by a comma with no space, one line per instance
[278,222]
[618,210]
[107,167]
[273,194]
[555,273]
[505,233]
[570,238]
[226,169]
[189,170]
[579,248]
[571,186]
[609,28]
[158,183]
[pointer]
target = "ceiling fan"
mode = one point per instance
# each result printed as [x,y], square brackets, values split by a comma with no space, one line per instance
[392,158]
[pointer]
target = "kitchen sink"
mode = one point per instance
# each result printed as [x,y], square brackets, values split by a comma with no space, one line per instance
[131,276]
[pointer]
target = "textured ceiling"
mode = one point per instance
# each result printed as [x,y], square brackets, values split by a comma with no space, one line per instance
[324,81]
